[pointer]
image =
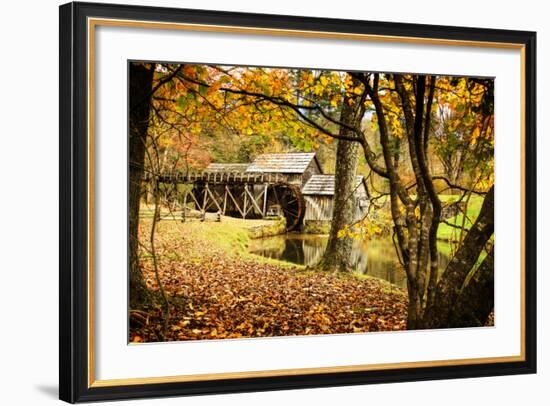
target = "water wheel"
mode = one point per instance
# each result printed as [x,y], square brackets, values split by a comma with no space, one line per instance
[291,202]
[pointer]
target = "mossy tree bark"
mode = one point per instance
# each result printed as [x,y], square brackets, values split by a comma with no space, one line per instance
[477,298]
[337,256]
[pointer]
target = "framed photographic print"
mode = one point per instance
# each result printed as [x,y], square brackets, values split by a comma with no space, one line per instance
[254,202]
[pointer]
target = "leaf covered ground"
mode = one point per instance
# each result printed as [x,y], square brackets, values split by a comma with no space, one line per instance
[217,290]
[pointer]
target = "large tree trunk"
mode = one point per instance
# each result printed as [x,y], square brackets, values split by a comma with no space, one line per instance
[455,303]
[477,298]
[337,256]
[141,81]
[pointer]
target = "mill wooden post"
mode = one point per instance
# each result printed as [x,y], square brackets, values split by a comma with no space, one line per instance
[224,200]
[265,201]
[245,199]
[204,200]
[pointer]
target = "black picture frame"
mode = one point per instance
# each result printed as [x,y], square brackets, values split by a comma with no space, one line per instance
[74,384]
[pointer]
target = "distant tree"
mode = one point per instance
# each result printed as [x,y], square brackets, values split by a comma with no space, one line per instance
[456,126]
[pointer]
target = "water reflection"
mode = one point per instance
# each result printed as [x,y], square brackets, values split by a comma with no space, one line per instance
[376,257]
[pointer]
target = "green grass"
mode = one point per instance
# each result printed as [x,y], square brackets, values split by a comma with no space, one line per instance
[232,236]
[445,247]
[225,235]
[449,233]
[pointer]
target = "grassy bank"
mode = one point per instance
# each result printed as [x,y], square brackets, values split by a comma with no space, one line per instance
[450,233]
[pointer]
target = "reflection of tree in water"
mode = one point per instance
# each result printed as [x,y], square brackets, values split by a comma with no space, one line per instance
[313,249]
[294,251]
[374,258]
[377,258]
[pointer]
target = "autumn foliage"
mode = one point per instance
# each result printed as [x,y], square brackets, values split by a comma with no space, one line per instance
[415,139]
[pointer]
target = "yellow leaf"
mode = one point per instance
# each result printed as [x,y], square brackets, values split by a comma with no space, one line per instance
[475,135]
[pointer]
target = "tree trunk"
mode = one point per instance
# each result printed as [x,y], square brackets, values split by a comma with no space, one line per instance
[477,298]
[337,256]
[141,81]
[450,286]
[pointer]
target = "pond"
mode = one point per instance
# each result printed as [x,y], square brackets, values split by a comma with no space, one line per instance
[375,257]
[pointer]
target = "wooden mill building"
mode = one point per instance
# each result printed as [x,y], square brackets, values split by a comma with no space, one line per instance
[288,184]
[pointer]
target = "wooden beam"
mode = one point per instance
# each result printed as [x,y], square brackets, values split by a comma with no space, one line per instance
[198,206]
[234,201]
[214,199]
[253,200]
[204,199]
[256,202]
[224,200]
[244,202]
[264,212]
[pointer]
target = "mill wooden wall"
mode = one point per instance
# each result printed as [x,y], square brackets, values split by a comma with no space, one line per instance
[320,208]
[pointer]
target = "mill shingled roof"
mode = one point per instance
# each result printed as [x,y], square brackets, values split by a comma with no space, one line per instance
[293,162]
[226,167]
[324,185]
